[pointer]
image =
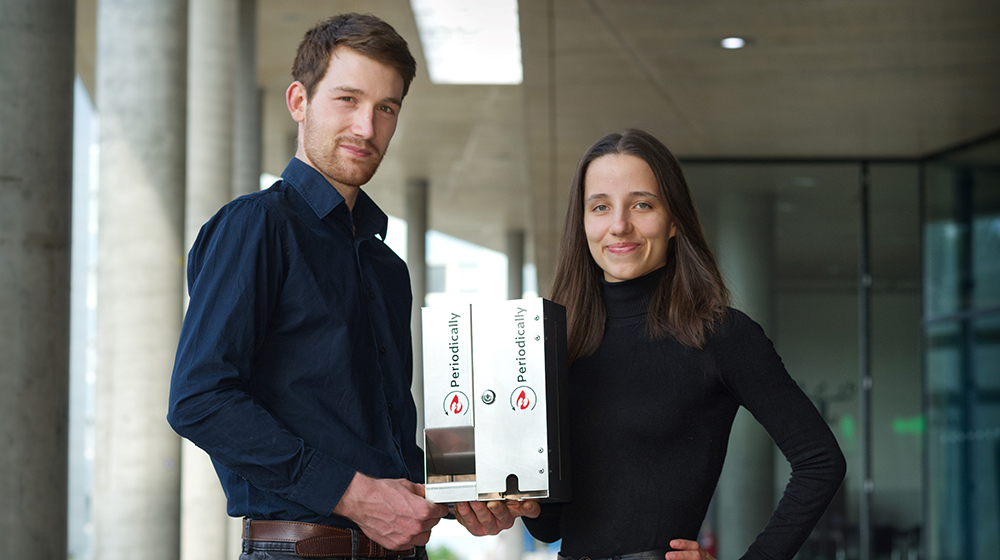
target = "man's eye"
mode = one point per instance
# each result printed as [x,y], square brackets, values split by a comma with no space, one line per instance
[387,109]
[347,98]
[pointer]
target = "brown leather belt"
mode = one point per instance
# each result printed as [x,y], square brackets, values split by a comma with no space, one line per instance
[315,541]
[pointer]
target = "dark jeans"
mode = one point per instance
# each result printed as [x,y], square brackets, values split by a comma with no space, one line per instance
[273,550]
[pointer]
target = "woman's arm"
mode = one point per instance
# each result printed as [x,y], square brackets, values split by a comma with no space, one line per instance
[756,377]
[545,527]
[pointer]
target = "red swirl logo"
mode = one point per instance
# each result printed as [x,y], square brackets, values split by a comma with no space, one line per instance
[523,401]
[523,398]
[456,404]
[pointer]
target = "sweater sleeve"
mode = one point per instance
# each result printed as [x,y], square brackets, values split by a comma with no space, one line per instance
[754,374]
[545,527]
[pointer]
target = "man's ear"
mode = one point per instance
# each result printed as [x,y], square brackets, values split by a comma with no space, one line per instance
[297,101]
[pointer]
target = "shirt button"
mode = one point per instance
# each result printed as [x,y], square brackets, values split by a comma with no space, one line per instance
[381,349]
[390,406]
[371,295]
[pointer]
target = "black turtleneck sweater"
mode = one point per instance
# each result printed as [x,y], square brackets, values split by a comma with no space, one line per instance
[650,422]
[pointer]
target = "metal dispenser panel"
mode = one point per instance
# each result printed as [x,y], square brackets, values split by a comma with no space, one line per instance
[509,366]
[449,419]
[495,425]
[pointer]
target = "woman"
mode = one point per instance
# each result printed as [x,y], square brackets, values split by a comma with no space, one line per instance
[659,367]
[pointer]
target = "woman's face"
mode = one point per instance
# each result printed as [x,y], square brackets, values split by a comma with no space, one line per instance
[625,218]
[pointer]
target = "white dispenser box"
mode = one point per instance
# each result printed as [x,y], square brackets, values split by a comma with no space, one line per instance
[494,401]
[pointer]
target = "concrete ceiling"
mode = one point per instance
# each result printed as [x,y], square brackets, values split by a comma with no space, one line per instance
[820,79]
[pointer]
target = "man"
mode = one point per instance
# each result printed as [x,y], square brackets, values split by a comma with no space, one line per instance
[294,364]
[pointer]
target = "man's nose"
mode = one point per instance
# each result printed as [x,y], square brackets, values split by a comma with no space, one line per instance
[364,123]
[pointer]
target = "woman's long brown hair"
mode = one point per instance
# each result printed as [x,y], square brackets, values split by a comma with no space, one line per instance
[691,297]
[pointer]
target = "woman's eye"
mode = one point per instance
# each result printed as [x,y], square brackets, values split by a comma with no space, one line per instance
[600,208]
[642,205]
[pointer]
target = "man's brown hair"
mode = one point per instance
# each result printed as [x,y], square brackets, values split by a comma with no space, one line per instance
[366,34]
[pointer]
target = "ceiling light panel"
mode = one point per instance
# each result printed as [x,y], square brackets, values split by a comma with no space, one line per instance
[470,42]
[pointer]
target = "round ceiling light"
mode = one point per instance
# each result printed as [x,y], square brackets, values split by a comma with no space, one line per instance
[733,43]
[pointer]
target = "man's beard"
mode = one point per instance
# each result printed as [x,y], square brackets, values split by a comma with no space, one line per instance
[334,164]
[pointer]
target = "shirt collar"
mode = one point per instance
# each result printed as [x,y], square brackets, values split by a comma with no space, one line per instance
[322,197]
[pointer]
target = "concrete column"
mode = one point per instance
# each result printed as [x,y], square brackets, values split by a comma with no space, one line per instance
[544,145]
[212,63]
[246,104]
[745,249]
[36,165]
[416,261]
[278,132]
[515,263]
[510,543]
[204,523]
[141,100]
[234,540]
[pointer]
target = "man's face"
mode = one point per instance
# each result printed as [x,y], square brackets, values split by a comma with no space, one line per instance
[347,125]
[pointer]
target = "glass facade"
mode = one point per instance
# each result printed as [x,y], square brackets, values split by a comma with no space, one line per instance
[932,332]
[817,323]
[961,234]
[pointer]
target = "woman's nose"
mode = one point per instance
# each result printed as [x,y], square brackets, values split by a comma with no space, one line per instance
[621,224]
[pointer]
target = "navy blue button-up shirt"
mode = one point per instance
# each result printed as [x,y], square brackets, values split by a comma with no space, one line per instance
[294,364]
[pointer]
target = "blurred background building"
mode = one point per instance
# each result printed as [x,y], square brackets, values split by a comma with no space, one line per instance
[845,157]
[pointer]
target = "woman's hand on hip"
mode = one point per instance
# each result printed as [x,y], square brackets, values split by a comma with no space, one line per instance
[687,550]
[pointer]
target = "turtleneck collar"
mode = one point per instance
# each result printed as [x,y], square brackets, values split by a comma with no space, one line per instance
[630,298]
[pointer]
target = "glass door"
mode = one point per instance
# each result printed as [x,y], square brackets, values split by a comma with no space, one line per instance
[961,233]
